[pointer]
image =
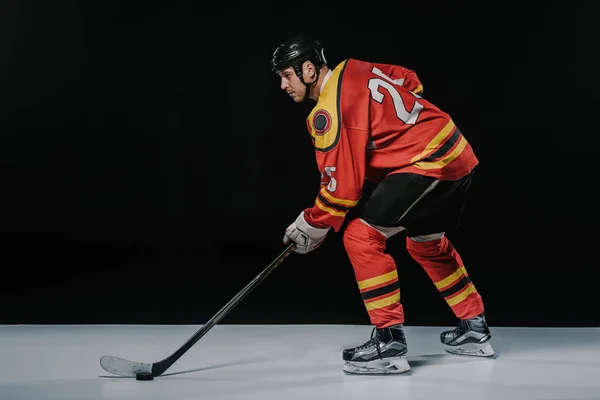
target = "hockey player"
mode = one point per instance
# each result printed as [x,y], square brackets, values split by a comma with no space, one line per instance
[371,124]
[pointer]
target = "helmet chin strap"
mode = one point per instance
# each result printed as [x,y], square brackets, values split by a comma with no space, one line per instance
[308,85]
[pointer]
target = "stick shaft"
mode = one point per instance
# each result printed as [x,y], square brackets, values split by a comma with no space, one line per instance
[161,366]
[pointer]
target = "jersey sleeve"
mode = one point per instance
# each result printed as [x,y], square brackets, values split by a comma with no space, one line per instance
[403,76]
[342,169]
[340,146]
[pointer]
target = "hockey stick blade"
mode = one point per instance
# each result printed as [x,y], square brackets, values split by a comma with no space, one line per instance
[121,367]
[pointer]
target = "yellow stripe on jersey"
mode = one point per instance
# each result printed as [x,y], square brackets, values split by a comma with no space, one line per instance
[439,138]
[335,200]
[418,89]
[329,210]
[327,113]
[446,160]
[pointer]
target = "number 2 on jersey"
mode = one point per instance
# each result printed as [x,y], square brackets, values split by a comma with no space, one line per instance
[386,83]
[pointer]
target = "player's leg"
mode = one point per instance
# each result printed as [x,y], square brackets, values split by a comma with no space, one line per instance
[444,266]
[377,279]
[365,239]
[427,243]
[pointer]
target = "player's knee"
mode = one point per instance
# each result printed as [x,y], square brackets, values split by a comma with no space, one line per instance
[428,238]
[358,235]
[426,245]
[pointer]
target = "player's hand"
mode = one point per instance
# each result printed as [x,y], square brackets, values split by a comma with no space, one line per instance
[306,237]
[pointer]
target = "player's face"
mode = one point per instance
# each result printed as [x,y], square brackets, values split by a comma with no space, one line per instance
[292,85]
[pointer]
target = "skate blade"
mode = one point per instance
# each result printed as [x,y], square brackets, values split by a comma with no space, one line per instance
[395,365]
[472,349]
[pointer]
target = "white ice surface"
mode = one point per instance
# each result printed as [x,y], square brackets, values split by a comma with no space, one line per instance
[277,362]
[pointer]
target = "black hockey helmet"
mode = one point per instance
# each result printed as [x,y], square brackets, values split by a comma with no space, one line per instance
[295,51]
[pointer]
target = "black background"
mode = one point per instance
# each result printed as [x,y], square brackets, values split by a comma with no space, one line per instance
[150,163]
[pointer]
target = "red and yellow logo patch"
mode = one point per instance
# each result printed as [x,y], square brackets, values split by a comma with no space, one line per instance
[321,122]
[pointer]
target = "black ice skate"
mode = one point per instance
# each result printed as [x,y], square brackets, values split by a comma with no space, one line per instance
[471,337]
[384,353]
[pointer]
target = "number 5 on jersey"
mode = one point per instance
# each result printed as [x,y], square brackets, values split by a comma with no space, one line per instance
[332,185]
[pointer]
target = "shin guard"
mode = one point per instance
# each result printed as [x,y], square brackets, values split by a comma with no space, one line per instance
[445,268]
[375,272]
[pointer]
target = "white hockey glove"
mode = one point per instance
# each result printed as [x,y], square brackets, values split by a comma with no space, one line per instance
[306,237]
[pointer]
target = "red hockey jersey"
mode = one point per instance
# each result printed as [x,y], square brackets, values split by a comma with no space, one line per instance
[370,122]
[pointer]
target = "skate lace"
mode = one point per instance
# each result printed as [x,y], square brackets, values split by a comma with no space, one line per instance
[373,341]
[451,334]
[457,331]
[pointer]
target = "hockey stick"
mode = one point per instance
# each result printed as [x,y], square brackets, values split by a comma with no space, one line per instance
[122,367]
